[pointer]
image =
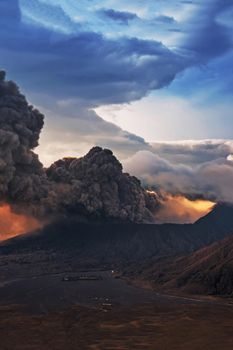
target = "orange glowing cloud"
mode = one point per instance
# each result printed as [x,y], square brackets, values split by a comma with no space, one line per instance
[12,224]
[179,209]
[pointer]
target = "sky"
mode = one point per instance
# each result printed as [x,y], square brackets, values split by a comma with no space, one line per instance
[150,79]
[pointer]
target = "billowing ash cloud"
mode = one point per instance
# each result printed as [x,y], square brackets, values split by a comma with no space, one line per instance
[93,186]
[20,126]
[96,186]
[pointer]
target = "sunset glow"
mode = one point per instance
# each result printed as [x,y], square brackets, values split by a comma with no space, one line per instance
[179,209]
[12,224]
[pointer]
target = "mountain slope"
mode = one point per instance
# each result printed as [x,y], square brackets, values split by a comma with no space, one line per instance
[122,243]
[208,271]
[219,219]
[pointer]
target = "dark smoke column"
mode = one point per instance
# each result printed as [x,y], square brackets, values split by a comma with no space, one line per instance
[21,172]
[96,187]
[91,188]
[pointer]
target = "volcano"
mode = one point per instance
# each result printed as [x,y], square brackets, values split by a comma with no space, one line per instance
[122,243]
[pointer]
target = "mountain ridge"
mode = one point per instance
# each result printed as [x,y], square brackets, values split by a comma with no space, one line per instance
[114,243]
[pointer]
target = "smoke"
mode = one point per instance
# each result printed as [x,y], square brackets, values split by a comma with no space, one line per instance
[208,179]
[96,185]
[179,209]
[91,187]
[21,173]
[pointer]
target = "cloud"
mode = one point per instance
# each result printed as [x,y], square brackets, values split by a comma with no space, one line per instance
[83,129]
[210,38]
[49,16]
[83,66]
[164,19]
[163,116]
[61,50]
[90,67]
[119,16]
[195,169]
[193,152]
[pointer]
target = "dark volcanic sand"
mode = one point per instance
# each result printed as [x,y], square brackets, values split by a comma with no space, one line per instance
[42,294]
[150,326]
[107,314]
[49,293]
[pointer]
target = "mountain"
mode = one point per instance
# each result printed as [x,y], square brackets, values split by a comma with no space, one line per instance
[219,219]
[208,271]
[120,244]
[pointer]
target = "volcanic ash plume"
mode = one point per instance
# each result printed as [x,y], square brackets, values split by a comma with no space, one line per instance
[91,187]
[180,209]
[96,187]
[20,126]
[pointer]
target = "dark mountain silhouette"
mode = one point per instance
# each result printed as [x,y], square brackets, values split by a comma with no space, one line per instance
[220,218]
[123,243]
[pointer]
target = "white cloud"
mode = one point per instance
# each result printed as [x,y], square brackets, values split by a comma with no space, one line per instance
[166,117]
[198,169]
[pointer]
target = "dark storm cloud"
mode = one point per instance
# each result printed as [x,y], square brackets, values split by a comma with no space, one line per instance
[95,68]
[210,38]
[119,16]
[86,64]
[98,70]
[164,19]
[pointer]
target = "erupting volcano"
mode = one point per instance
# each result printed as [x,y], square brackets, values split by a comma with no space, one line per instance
[91,188]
